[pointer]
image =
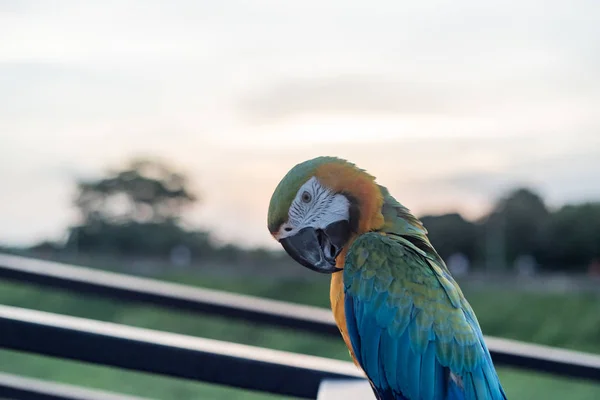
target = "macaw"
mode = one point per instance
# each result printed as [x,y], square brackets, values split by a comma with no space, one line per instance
[401,314]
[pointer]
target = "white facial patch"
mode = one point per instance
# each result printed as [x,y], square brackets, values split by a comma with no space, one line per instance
[314,206]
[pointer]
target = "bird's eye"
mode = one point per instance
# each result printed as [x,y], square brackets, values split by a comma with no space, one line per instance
[306,197]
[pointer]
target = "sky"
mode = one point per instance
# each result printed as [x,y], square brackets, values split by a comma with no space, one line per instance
[448,103]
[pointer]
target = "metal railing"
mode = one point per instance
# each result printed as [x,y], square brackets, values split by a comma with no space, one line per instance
[187,357]
[168,354]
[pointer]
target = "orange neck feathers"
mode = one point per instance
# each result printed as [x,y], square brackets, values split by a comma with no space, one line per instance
[356,183]
[361,186]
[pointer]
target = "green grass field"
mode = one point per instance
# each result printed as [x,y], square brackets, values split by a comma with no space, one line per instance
[567,321]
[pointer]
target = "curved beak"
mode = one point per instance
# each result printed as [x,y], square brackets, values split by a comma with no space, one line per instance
[317,249]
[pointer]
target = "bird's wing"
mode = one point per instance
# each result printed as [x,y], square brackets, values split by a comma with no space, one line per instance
[411,328]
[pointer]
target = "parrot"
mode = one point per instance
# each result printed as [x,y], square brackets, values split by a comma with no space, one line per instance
[400,312]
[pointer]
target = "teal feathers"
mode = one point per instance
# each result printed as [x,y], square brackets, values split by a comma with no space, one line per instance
[411,328]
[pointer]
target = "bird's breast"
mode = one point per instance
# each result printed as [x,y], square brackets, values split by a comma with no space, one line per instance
[336,296]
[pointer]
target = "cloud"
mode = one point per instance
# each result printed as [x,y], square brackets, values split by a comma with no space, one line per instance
[526,91]
[345,94]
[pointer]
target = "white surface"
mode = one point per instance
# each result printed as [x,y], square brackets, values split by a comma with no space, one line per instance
[331,389]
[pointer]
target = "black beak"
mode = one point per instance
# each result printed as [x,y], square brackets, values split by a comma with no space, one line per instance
[317,249]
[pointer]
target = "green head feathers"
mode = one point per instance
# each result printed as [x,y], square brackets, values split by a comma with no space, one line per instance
[288,187]
[379,209]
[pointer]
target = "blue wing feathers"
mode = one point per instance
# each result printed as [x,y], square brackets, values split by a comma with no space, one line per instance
[428,371]
[404,354]
[388,353]
[371,335]
[408,346]
[490,376]
[352,328]
[455,392]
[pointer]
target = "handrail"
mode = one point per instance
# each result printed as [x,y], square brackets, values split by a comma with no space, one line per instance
[169,354]
[167,294]
[257,310]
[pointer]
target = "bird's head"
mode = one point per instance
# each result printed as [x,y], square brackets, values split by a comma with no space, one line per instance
[319,206]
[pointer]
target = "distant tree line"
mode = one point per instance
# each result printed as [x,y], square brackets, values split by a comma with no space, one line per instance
[521,224]
[138,211]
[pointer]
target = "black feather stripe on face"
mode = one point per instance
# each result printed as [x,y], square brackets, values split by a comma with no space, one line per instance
[353,212]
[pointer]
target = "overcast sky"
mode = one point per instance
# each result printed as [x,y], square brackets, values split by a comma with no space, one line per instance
[448,103]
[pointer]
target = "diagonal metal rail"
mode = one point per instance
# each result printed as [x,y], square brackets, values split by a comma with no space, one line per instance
[166,294]
[256,310]
[169,354]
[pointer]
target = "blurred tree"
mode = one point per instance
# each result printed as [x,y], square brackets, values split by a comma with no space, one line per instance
[572,237]
[515,227]
[451,233]
[138,239]
[136,211]
[145,191]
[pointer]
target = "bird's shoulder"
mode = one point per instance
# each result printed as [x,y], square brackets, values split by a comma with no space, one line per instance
[397,265]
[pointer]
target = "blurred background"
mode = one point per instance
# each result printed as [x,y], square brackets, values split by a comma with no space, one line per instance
[146,137]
